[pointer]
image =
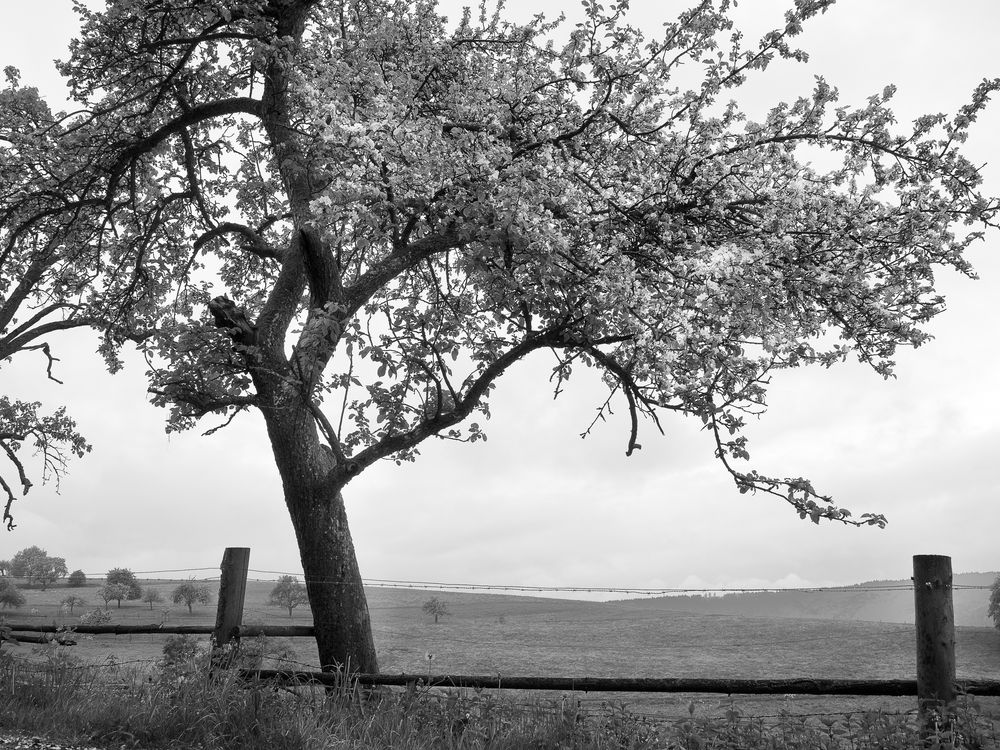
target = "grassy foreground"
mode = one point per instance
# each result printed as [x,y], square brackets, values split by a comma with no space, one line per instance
[175,704]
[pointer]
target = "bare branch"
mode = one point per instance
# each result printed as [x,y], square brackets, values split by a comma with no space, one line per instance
[7,517]
[26,483]
[51,360]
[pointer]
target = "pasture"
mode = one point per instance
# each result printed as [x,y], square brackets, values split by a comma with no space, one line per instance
[519,635]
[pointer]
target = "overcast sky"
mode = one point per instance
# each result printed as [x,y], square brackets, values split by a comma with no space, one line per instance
[536,504]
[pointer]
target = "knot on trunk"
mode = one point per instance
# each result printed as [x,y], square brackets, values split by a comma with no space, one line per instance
[234,320]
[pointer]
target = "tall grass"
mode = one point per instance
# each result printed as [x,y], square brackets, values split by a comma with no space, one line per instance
[177,704]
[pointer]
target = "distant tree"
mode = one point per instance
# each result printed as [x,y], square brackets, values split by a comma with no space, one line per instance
[113,592]
[35,565]
[151,597]
[76,579]
[72,601]
[10,595]
[994,610]
[4,567]
[190,593]
[288,593]
[436,607]
[125,577]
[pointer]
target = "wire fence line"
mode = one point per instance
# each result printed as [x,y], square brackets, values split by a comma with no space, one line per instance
[483,611]
[530,588]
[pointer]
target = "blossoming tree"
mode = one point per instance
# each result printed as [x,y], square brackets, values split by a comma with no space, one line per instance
[354,218]
[40,282]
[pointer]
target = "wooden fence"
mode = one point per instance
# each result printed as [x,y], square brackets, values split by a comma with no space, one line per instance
[936,687]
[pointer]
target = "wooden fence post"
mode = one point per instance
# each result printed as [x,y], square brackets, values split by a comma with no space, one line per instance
[232,589]
[935,627]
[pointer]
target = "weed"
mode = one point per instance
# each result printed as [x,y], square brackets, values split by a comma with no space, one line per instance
[178,704]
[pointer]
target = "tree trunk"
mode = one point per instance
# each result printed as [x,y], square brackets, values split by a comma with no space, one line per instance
[316,505]
[333,582]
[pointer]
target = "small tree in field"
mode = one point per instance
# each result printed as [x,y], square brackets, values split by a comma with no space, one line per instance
[76,579]
[113,592]
[394,211]
[10,595]
[152,596]
[190,593]
[994,609]
[436,608]
[288,593]
[4,567]
[125,577]
[71,601]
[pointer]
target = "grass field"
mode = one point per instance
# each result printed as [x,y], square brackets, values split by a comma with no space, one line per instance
[490,634]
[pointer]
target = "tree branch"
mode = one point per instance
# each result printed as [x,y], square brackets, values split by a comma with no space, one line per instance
[463,407]
[22,343]
[394,264]
[197,114]
[254,242]
[8,519]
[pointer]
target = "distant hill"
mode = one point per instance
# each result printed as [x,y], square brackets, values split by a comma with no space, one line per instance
[857,603]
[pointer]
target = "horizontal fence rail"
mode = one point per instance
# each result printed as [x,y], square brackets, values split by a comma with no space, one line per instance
[935,686]
[245,631]
[794,686]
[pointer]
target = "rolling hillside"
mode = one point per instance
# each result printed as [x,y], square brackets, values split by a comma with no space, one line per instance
[861,602]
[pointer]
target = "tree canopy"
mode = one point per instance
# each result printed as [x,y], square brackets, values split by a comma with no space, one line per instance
[35,565]
[113,592]
[190,593]
[126,578]
[41,285]
[354,218]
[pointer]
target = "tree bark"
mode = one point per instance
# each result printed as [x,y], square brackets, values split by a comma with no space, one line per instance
[316,506]
[333,581]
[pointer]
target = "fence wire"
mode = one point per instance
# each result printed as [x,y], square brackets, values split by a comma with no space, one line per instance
[407,642]
[530,588]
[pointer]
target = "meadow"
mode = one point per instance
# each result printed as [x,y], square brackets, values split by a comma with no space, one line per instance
[519,635]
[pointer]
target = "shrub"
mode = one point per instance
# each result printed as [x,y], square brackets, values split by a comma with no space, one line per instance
[10,595]
[183,655]
[95,617]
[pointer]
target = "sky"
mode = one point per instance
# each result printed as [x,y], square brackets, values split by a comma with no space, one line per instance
[536,504]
